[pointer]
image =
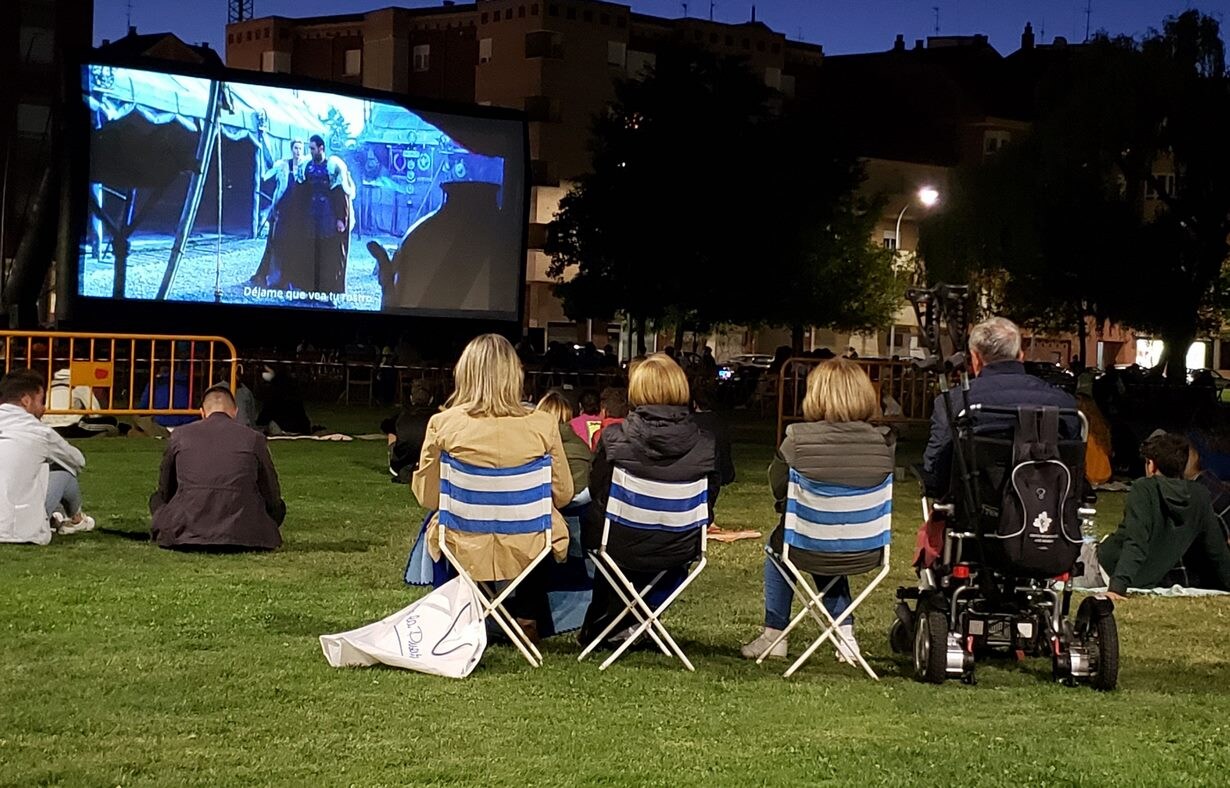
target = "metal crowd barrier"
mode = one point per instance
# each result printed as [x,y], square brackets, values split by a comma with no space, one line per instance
[907,395]
[126,374]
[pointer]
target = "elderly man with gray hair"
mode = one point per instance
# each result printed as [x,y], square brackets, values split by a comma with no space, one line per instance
[995,358]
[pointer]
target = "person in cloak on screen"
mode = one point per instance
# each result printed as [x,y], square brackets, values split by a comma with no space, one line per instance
[331,210]
[282,173]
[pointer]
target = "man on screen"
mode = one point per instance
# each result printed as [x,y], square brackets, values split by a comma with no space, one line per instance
[271,271]
[331,217]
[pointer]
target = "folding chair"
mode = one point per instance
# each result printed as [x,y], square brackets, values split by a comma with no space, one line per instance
[826,519]
[497,501]
[641,504]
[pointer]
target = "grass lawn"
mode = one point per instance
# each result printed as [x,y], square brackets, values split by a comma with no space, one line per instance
[123,664]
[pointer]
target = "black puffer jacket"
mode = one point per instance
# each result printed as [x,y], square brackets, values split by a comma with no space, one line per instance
[660,443]
[852,453]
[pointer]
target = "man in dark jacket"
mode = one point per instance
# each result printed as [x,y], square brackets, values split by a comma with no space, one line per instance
[995,358]
[1165,515]
[406,431]
[217,487]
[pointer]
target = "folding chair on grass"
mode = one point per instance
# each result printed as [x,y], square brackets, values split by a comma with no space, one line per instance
[497,501]
[679,508]
[823,520]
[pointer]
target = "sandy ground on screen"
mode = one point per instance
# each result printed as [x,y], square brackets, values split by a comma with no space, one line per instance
[201,266]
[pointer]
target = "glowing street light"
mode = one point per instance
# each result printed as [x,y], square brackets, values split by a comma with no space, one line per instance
[927,196]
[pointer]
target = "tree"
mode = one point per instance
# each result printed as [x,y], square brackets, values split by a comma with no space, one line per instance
[1083,219]
[694,179]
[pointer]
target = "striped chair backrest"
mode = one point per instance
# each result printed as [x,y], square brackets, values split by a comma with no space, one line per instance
[657,506]
[835,518]
[495,500]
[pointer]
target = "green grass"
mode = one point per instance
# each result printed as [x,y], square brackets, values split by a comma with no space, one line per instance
[122,664]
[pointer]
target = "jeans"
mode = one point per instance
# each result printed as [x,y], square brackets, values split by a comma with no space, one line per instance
[63,493]
[778,597]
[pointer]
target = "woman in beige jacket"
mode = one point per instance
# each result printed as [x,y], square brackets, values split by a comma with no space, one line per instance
[483,423]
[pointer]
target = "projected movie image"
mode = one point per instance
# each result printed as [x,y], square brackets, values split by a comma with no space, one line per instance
[234,193]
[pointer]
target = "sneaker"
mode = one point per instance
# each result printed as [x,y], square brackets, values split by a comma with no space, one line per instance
[761,644]
[65,526]
[847,646]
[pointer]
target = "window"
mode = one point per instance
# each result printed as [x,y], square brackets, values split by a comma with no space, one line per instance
[248,36]
[354,63]
[521,12]
[604,19]
[422,57]
[483,20]
[508,13]
[544,43]
[571,13]
[534,9]
[776,48]
[994,141]
[266,33]
[890,239]
[621,21]
[553,9]
[484,50]
[589,14]
[230,38]
[616,53]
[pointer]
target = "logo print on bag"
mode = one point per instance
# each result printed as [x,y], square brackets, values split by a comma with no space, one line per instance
[1041,493]
[1042,522]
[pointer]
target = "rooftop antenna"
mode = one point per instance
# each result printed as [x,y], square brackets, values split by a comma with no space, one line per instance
[753,12]
[239,11]
[685,9]
[128,15]
[1042,30]
[712,5]
[936,9]
[1088,15]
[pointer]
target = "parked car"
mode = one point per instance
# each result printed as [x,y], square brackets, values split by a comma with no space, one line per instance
[761,360]
[1052,373]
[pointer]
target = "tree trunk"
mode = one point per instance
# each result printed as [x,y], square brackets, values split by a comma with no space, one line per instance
[796,338]
[679,337]
[1174,356]
[1082,336]
[640,335]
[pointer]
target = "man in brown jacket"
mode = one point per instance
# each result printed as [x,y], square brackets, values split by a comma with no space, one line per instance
[217,487]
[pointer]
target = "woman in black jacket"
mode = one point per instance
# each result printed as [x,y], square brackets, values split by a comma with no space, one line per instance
[836,445]
[659,441]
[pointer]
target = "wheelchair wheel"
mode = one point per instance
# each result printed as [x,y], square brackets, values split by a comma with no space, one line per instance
[1105,635]
[899,639]
[931,647]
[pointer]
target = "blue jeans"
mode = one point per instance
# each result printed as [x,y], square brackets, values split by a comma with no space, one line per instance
[778,597]
[63,493]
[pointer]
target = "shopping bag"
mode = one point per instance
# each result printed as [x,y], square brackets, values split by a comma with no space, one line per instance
[442,634]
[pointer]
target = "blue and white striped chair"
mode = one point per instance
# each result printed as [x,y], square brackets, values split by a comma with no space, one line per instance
[825,519]
[674,507]
[497,501]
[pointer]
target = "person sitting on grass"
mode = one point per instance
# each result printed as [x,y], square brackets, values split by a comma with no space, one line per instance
[1164,518]
[217,488]
[405,432]
[613,411]
[578,454]
[38,468]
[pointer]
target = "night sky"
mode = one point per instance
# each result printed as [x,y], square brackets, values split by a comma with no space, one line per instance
[839,25]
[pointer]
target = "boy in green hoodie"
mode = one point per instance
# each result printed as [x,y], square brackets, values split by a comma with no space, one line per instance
[1163,516]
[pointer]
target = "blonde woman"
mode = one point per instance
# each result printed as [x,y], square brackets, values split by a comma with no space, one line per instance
[483,423]
[661,441]
[579,456]
[836,444]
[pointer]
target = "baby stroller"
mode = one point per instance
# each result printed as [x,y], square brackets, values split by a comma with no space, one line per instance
[1013,525]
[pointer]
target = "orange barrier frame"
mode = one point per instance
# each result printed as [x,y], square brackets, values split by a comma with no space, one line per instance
[118,368]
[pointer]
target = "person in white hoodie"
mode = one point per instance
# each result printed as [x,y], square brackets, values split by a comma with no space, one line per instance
[38,468]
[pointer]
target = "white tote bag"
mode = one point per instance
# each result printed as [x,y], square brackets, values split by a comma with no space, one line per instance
[442,634]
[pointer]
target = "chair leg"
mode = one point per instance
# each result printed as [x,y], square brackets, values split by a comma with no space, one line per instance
[651,616]
[629,609]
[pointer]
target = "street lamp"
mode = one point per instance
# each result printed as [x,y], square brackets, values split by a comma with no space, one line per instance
[927,197]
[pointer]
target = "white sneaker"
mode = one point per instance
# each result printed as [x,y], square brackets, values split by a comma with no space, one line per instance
[65,526]
[847,646]
[761,644]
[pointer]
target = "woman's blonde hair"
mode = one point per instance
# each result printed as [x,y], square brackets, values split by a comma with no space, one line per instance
[839,390]
[658,380]
[557,405]
[488,379]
